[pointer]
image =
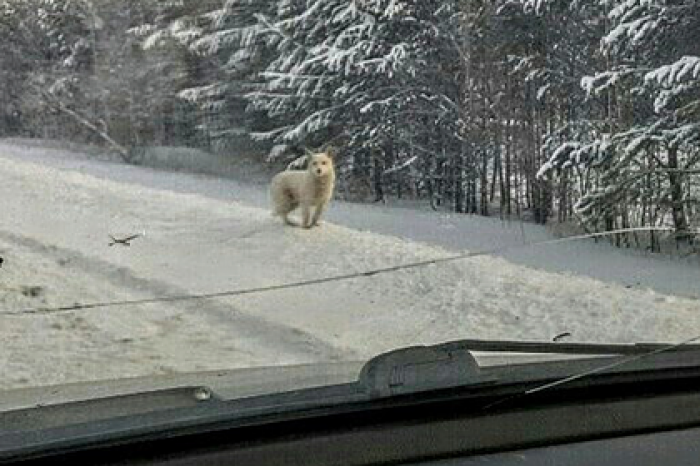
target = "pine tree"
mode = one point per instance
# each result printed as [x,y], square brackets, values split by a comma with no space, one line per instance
[46,50]
[640,160]
[551,45]
[226,52]
[374,76]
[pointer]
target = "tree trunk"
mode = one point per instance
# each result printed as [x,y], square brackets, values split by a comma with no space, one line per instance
[377,181]
[680,222]
[484,201]
[459,184]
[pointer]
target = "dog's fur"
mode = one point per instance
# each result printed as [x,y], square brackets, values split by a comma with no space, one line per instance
[309,189]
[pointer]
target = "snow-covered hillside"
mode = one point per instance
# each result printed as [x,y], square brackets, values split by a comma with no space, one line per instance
[206,235]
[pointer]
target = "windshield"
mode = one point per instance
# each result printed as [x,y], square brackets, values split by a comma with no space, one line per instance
[223,184]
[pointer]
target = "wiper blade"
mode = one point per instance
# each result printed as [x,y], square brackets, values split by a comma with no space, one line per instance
[604,349]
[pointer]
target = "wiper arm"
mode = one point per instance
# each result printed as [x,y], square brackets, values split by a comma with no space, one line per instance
[448,365]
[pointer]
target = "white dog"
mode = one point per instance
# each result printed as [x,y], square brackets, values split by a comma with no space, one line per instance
[309,189]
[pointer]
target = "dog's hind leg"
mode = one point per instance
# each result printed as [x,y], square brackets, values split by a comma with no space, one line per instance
[291,205]
[287,221]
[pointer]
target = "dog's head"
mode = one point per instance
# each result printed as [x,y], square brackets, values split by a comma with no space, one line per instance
[321,164]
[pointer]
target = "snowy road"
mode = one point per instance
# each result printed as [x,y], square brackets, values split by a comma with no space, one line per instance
[53,235]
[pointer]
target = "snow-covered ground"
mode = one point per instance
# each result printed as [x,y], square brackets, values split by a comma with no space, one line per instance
[206,234]
[245,182]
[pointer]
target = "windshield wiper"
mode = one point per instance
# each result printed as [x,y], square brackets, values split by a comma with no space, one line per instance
[511,346]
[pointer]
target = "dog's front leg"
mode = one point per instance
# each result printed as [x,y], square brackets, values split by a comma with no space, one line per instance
[306,216]
[317,214]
